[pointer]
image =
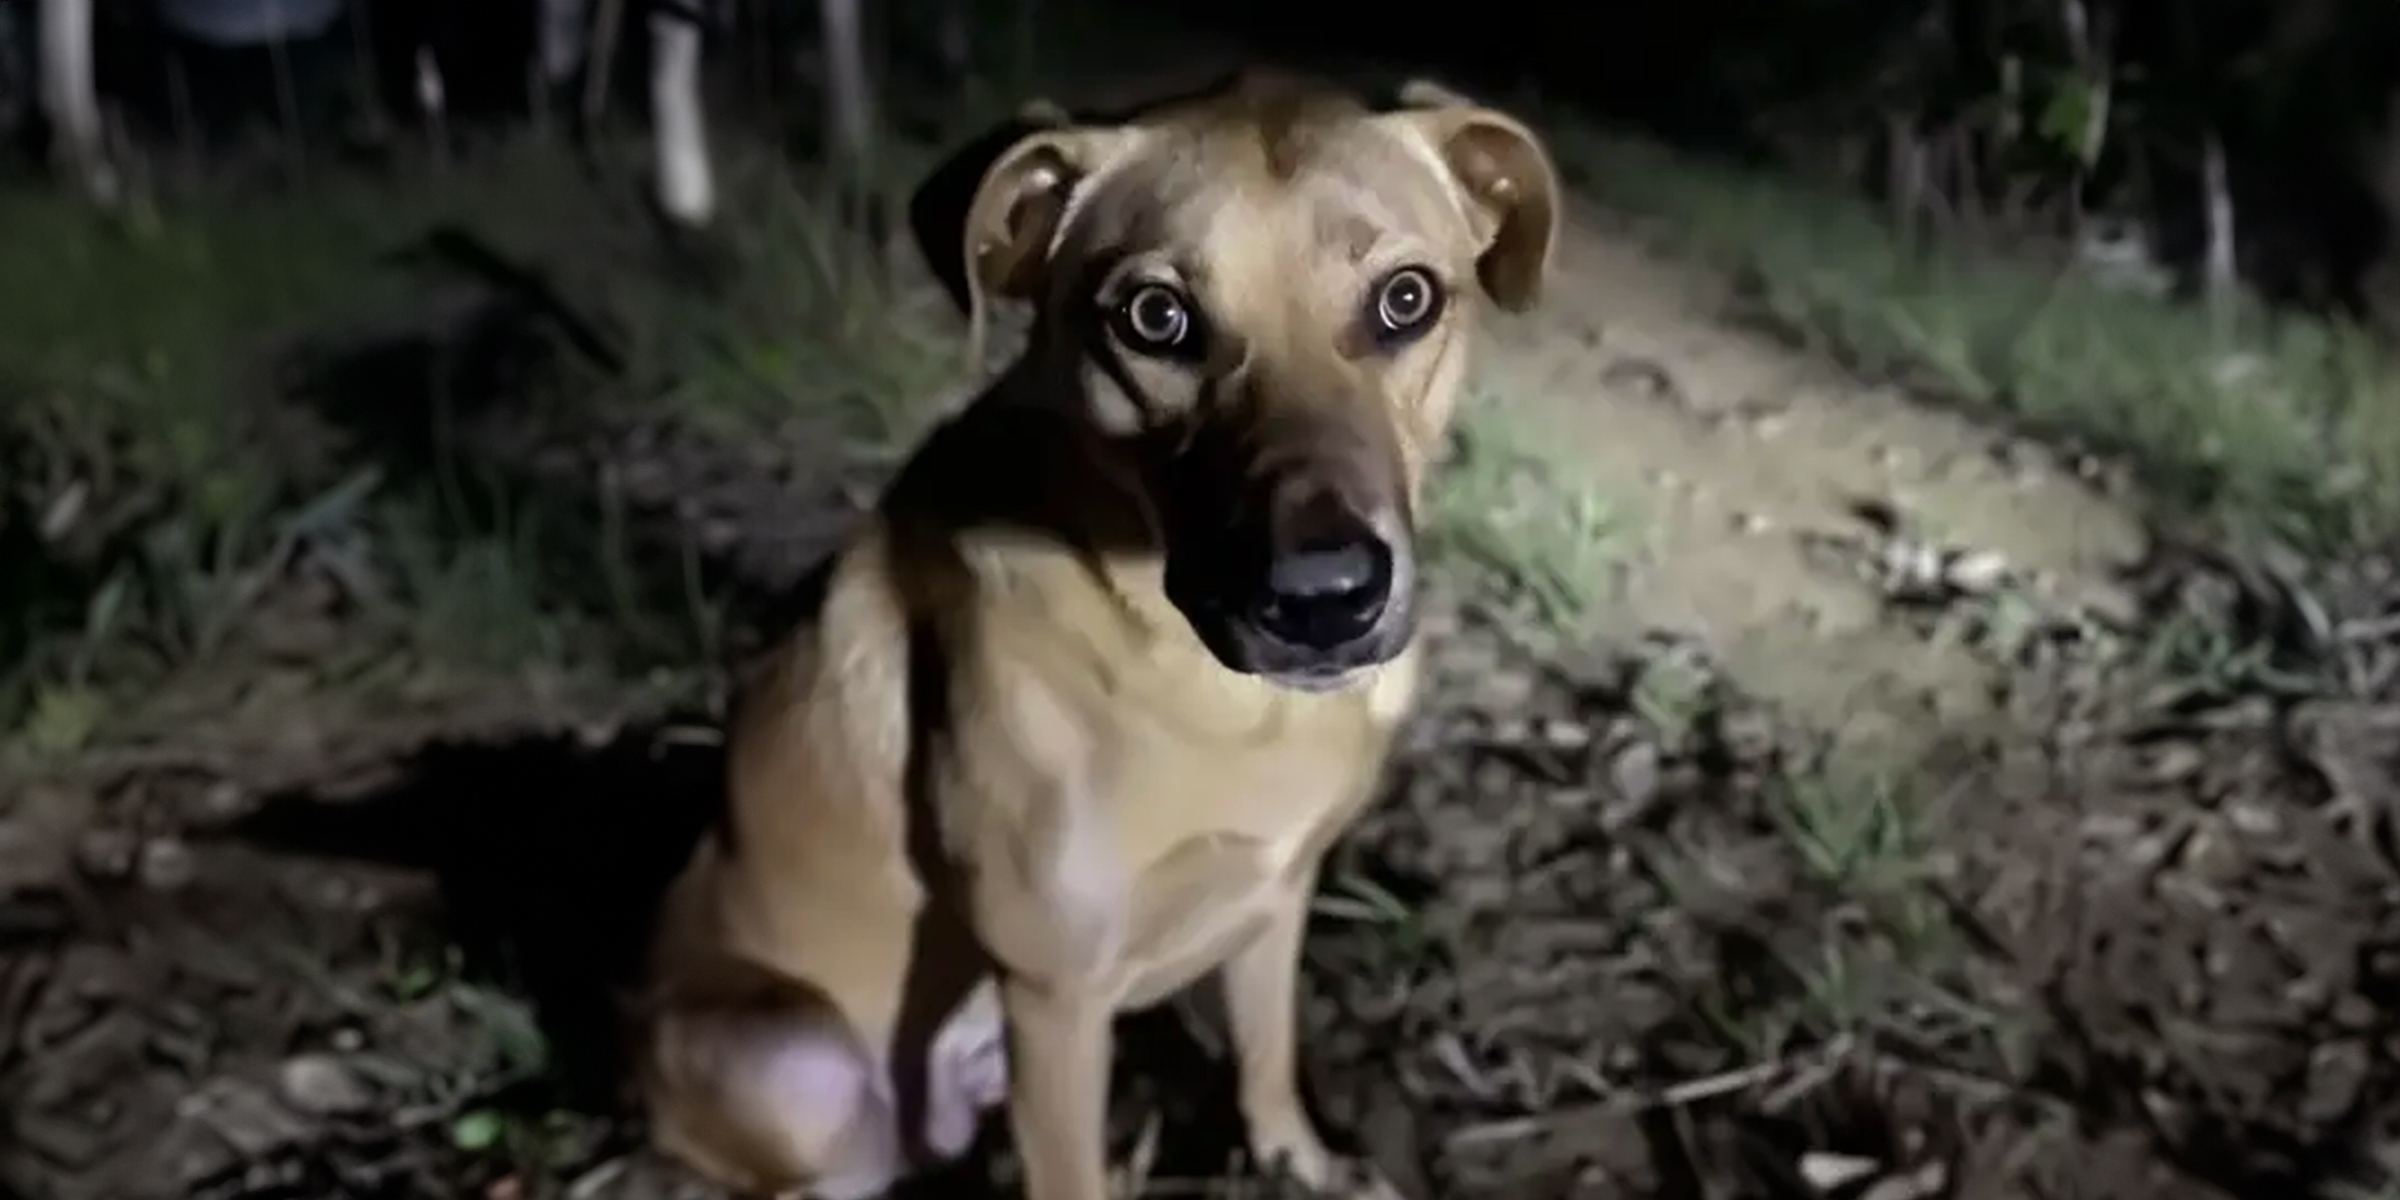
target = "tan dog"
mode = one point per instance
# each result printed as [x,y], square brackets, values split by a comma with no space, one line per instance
[1116,659]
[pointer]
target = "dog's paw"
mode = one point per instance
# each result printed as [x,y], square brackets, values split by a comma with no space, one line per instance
[1320,1173]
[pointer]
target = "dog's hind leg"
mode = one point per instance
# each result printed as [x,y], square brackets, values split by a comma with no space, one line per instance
[774,1102]
[769,1087]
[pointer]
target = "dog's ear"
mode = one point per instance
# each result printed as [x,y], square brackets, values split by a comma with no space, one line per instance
[1010,222]
[1505,174]
[937,210]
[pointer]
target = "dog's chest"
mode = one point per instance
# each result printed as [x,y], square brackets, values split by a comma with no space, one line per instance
[1215,841]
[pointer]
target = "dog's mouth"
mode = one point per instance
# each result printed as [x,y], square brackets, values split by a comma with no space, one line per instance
[1320,680]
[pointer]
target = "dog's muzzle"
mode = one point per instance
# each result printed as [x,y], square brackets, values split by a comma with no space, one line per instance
[1324,597]
[1327,591]
[1301,572]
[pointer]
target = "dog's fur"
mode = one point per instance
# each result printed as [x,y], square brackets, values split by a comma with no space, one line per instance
[1074,720]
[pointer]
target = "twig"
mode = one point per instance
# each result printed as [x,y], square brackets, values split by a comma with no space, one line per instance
[2368,629]
[1676,1096]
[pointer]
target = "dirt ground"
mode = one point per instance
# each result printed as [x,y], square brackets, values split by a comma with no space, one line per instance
[1909,822]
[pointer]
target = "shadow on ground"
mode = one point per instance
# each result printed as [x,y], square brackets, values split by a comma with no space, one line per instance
[550,858]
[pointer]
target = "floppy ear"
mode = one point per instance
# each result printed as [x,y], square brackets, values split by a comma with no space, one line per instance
[1503,171]
[937,210]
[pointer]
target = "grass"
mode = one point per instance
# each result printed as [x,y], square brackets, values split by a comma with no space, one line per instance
[811,323]
[136,365]
[133,377]
[1530,521]
[2258,424]
[120,388]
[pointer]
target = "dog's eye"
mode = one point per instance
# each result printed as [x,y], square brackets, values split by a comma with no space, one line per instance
[1153,320]
[1406,303]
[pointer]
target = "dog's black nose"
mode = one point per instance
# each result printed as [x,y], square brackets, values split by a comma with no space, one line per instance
[1327,594]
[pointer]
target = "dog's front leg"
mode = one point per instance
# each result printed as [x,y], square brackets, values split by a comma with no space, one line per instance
[1060,1038]
[1262,1008]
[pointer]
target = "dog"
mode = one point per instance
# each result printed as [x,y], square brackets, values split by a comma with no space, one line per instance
[1078,710]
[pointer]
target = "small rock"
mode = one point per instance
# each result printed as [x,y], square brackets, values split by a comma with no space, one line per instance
[322,1085]
[1910,567]
[1926,1181]
[1977,572]
[1751,524]
[1561,734]
[107,854]
[166,865]
[223,800]
[2337,1075]
[2307,994]
[2175,762]
[2354,1012]
[1826,1172]
[64,510]
[1635,773]
[1641,377]
[2253,819]
[2113,829]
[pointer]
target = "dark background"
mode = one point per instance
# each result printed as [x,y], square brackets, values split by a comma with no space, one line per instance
[2296,93]
[1977,95]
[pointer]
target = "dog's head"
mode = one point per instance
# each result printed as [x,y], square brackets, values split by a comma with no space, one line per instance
[1264,295]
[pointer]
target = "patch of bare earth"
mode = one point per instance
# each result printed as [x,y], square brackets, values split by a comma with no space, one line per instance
[1740,469]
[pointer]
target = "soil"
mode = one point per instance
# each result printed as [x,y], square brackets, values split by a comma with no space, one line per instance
[1579,951]
[1738,462]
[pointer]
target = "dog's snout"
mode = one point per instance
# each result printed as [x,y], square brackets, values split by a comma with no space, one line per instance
[1328,580]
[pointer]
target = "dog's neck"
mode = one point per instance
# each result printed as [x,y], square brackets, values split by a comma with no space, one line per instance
[1023,456]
